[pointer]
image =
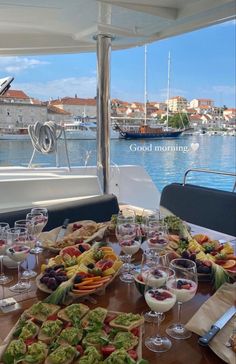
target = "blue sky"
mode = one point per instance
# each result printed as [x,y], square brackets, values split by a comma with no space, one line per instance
[202,66]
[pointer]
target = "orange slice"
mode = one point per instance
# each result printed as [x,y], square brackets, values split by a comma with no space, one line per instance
[229,264]
[90,287]
[111,256]
[79,291]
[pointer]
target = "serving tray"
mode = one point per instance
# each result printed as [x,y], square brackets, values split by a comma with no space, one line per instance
[7,340]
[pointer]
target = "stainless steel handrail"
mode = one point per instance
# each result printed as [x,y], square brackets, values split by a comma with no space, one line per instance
[209,171]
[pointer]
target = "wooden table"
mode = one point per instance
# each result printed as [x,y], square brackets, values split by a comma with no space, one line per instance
[125,297]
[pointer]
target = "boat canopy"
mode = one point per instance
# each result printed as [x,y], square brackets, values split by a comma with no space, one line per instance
[69,26]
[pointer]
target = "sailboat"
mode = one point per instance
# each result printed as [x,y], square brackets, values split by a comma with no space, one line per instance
[148,132]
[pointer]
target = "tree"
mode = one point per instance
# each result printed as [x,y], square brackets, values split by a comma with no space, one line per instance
[178,121]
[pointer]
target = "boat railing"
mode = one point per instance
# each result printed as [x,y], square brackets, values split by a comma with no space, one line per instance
[232,174]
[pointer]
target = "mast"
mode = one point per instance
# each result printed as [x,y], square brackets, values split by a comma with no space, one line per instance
[145,84]
[168,90]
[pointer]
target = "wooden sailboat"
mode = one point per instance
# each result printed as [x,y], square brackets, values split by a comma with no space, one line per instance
[145,131]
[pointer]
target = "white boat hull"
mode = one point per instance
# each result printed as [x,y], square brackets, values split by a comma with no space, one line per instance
[14,137]
[88,134]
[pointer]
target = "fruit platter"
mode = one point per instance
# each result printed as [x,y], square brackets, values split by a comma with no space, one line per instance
[78,274]
[51,334]
[78,232]
[215,260]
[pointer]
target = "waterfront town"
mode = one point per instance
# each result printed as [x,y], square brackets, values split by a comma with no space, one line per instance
[18,110]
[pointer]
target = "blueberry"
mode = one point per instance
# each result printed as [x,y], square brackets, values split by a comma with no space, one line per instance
[81,248]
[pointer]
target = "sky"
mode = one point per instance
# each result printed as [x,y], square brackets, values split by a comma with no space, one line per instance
[202,66]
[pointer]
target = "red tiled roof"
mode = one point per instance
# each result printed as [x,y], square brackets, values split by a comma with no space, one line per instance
[57,110]
[15,94]
[74,101]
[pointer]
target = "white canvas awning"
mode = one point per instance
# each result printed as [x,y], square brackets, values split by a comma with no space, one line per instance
[69,26]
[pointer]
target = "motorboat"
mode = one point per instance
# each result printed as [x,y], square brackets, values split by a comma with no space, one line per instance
[85,131]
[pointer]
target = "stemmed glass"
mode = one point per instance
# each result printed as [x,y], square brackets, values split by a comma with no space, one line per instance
[38,221]
[43,211]
[4,226]
[129,238]
[184,286]
[148,216]
[18,251]
[159,300]
[157,236]
[28,273]
[126,216]
[149,264]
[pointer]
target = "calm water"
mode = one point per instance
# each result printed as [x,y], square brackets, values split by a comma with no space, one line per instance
[165,160]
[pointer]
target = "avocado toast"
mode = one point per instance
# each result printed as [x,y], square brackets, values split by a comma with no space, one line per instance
[61,339]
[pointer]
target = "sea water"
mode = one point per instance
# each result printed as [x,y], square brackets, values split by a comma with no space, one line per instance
[165,160]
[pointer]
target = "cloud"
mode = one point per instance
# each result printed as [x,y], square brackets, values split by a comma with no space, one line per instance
[18,64]
[225,89]
[82,86]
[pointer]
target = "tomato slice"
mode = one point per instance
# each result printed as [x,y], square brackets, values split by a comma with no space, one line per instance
[109,318]
[52,317]
[107,350]
[135,331]
[30,341]
[133,354]
[107,328]
[80,350]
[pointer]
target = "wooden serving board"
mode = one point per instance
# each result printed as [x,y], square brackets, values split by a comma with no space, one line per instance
[98,291]
[48,238]
[7,340]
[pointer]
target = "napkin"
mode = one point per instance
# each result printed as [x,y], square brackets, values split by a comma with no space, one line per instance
[210,312]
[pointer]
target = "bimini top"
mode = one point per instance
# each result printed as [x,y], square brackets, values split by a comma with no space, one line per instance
[69,26]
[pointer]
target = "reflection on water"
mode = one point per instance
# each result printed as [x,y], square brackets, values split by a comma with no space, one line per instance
[165,160]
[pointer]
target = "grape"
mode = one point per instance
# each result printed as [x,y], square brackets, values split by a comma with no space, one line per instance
[185,254]
[192,257]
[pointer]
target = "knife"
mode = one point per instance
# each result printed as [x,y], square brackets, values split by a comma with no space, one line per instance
[63,229]
[217,326]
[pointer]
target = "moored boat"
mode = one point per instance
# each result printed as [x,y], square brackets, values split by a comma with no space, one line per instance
[14,134]
[147,132]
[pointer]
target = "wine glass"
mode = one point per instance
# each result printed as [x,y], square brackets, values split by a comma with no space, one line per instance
[184,286]
[129,238]
[157,236]
[4,226]
[28,273]
[38,221]
[126,216]
[148,216]
[159,300]
[149,262]
[18,251]
[43,211]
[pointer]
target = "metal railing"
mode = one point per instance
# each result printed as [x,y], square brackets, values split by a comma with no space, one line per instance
[210,171]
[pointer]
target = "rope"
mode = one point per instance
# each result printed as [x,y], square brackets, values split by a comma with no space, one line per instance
[44,136]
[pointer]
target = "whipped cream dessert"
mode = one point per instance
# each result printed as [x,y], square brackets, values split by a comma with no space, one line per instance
[184,289]
[160,300]
[157,242]
[130,247]
[18,253]
[155,278]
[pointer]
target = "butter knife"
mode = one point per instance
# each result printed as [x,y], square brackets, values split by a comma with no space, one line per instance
[217,326]
[62,231]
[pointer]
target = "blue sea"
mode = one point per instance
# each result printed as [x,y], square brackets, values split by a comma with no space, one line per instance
[165,160]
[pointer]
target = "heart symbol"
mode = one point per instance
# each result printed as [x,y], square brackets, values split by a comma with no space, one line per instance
[194,146]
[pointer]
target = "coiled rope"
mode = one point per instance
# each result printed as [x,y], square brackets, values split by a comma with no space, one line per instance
[44,136]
